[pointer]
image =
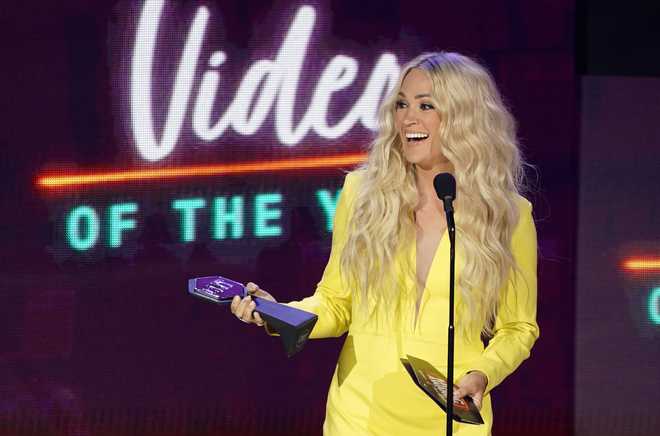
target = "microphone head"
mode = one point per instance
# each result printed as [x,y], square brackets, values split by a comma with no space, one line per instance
[445,186]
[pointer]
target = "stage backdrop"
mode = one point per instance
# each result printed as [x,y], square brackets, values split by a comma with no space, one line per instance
[618,307]
[146,142]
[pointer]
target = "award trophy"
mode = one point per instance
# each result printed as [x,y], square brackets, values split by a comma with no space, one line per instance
[293,325]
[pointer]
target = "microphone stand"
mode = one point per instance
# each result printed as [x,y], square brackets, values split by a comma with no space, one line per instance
[451,230]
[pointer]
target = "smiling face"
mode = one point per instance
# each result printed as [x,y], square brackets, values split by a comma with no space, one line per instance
[418,122]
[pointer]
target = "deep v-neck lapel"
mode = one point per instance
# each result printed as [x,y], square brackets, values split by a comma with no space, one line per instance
[433,270]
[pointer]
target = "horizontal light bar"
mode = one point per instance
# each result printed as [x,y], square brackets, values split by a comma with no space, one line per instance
[53,182]
[642,264]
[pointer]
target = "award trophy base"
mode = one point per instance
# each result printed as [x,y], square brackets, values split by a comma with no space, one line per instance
[293,325]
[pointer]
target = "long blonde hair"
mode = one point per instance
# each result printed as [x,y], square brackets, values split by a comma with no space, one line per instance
[478,137]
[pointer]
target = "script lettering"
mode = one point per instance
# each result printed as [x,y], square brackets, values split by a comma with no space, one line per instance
[268,84]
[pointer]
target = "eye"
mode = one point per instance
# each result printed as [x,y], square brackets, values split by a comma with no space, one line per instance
[426,106]
[400,104]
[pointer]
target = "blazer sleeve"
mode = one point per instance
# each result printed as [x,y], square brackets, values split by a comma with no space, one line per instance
[515,329]
[331,301]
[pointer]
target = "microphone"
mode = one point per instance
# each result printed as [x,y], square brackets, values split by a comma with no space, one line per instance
[445,188]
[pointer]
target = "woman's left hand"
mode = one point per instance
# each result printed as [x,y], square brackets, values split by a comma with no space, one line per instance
[472,385]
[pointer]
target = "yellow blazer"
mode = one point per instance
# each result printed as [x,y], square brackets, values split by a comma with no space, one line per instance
[371,393]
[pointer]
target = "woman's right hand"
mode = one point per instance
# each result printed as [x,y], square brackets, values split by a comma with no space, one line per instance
[244,308]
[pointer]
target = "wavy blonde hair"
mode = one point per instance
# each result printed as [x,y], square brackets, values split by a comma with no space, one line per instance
[478,137]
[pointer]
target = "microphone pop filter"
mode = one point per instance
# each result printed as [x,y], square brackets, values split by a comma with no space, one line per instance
[445,186]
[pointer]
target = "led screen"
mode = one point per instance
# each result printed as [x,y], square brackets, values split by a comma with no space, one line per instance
[148,142]
[618,312]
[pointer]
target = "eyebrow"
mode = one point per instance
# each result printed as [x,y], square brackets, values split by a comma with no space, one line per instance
[417,96]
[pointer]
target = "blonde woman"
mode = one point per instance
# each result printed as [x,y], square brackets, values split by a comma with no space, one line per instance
[386,282]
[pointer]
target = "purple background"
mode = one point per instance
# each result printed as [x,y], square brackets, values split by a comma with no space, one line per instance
[617,344]
[113,345]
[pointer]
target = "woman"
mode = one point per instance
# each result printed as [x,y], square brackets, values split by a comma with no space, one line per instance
[386,282]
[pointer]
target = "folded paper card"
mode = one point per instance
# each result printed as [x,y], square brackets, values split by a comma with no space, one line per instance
[434,384]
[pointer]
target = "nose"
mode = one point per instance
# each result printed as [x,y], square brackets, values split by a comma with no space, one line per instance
[410,119]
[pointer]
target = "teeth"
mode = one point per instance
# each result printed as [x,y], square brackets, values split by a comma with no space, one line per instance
[417,135]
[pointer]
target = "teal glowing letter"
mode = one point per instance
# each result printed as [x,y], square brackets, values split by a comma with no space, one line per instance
[221,217]
[263,214]
[329,205]
[117,223]
[188,206]
[74,235]
[654,306]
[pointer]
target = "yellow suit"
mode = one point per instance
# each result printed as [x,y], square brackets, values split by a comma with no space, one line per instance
[371,393]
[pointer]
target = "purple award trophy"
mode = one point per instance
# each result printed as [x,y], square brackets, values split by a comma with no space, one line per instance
[293,325]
